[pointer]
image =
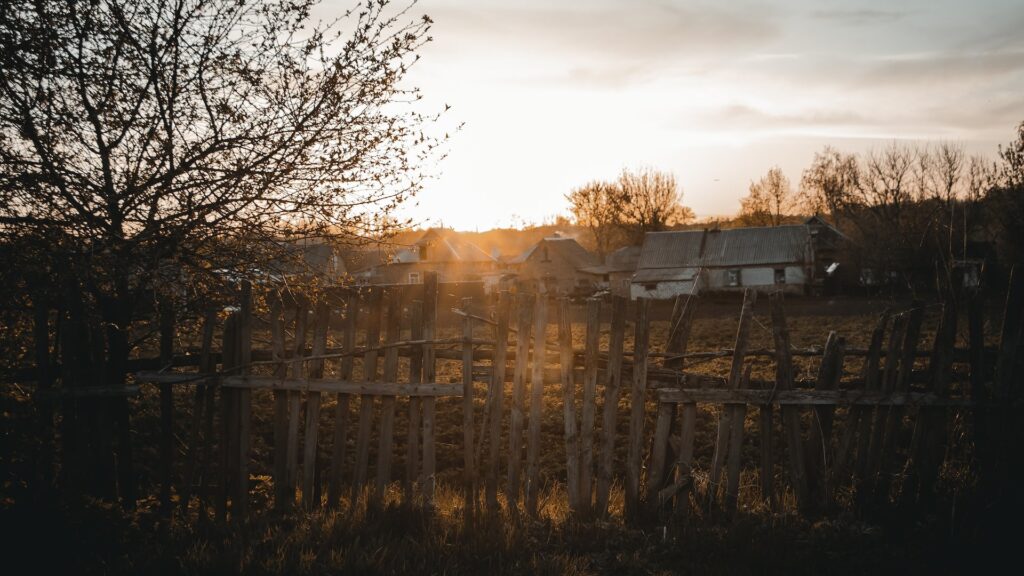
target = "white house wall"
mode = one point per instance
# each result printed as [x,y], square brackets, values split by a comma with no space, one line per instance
[662,290]
[760,277]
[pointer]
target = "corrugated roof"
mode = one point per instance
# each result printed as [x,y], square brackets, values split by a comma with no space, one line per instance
[732,247]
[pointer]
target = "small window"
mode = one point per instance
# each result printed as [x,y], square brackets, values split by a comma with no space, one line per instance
[414,277]
[733,277]
[650,286]
[780,275]
[545,257]
[423,253]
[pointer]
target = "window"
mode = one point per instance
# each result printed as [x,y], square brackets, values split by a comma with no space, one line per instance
[423,252]
[733,277]
[780,275]
[545,257]
[414,277]
[650,286]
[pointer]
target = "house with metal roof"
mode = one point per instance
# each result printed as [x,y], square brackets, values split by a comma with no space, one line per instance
[713,260]
[561,264]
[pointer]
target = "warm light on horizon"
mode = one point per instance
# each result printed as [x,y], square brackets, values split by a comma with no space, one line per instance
[556,95]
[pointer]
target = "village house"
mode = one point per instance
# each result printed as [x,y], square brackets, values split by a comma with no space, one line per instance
[617,271]
[797,259]
[562,265]
[438,250]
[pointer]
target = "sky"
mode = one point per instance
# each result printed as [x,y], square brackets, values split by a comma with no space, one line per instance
[555,94]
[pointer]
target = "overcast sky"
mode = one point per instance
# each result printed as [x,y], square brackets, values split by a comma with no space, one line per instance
[554,94]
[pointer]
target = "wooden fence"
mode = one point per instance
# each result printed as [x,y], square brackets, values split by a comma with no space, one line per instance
[887,446]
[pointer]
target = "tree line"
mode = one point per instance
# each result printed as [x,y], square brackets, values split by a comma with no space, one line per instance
[907,208]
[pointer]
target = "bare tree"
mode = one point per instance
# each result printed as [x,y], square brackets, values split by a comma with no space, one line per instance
[830,183]
[650,202]
[148,140]
[595,206]
[769,201]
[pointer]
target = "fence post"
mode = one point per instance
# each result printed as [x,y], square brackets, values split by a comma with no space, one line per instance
[295,399]
[387,407]
[367,401]
[166,314]
[469,477]
[790,414]
[857,436]
[819,441]
[734,456]
[495,397]
[894,420]
[680,326]
[524,305]
[341,409]
[875,451]
[229,419]
[735,375]
[240,509]
[412,459]
[591,353]
[540,320]
[612,388]
[321,320]
[280,471]
[637,401]
[572,446]
[429,326]
[195,425]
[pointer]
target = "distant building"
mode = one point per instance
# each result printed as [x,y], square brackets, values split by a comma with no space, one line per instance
[438,250]
[796,259]
[308,259]
[618,270]
[561,264]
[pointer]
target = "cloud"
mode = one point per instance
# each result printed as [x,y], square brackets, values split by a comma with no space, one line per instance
[604,42]
[943,67]
[743,116]
[859,17]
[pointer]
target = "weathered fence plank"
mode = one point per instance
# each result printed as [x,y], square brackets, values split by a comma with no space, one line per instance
[387,407]
[366,401]
[412,459]
[240,508]
[572,447]
[429,326]
[819,441]
[468,443]
[281,498]
[196,442]
[524,305]
[495,399]
[637,405]
[729,413]
[589,410]
[612,388]
[310,436]
[540,322]
[341,408]
[295,401]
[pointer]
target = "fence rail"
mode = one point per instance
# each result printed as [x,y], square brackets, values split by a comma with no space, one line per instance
[894,424]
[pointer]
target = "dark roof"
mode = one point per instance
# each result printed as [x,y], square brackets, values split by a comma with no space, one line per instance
[567,248]
[732,247]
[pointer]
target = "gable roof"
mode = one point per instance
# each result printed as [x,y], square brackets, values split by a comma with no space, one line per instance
[444,246]
[720,248]
[567,248]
